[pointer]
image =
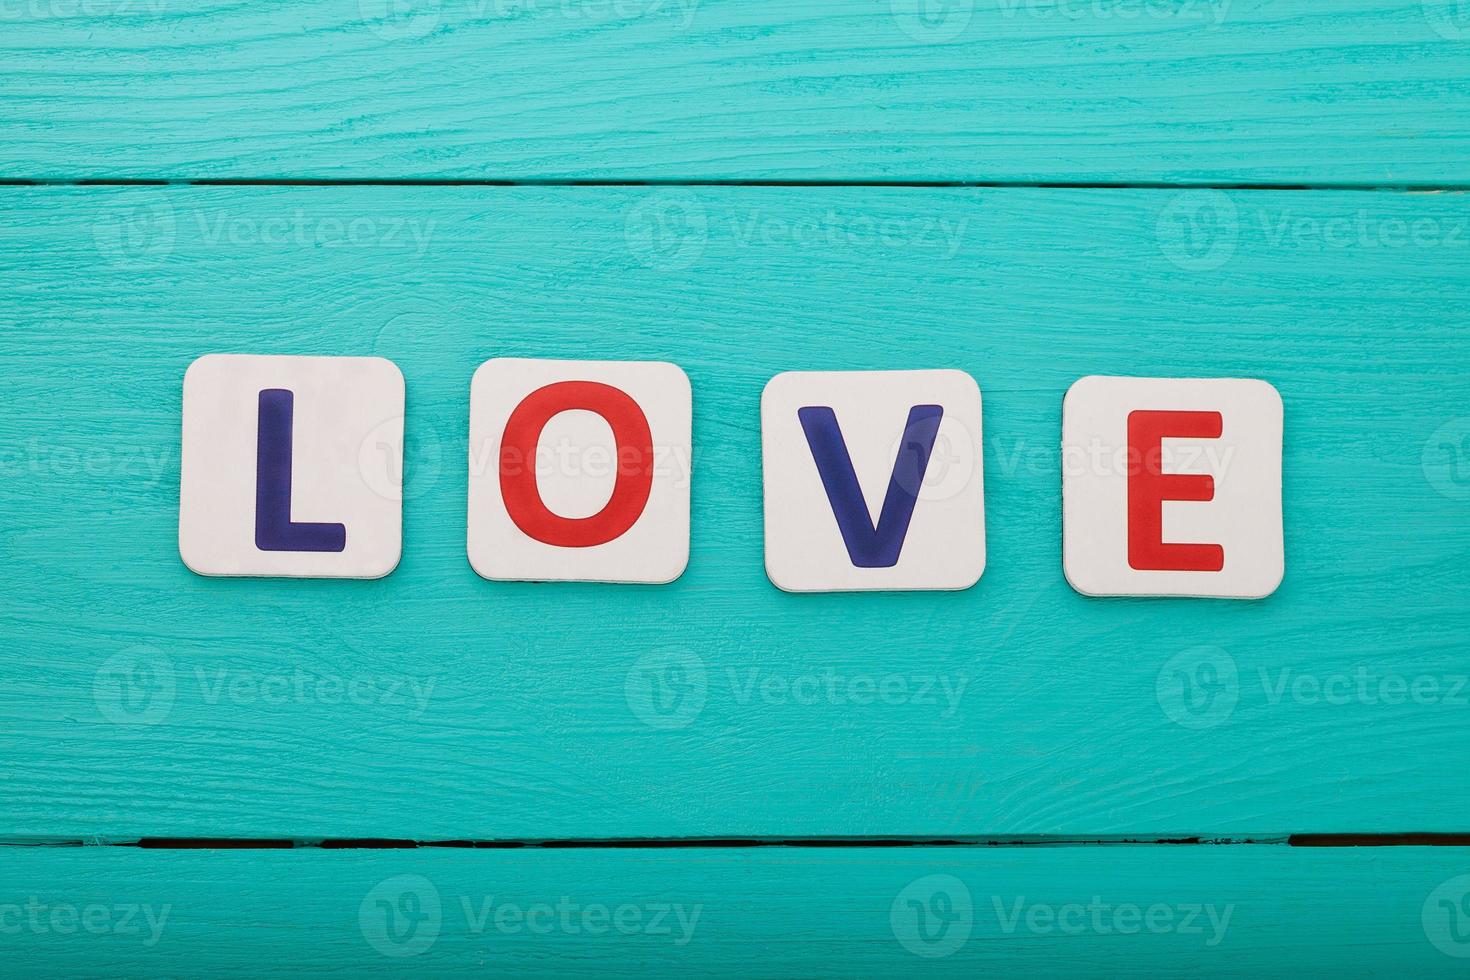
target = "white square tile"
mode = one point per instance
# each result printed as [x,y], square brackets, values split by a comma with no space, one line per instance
[1172,487]
[292,466]
[898,498]
[579,471]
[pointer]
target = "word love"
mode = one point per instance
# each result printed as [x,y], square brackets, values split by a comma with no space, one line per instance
[873,480]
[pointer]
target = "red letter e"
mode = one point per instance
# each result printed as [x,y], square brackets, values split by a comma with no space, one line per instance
[1149,486]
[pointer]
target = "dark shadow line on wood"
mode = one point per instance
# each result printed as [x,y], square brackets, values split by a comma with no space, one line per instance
[627,843]
[717,182]
[1379,840]
[659,843]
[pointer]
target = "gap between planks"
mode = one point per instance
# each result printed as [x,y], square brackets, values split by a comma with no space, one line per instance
[653,843]
[714,182]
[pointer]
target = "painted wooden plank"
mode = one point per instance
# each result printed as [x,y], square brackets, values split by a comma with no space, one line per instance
[838,912]
[138,698]
[1294,91]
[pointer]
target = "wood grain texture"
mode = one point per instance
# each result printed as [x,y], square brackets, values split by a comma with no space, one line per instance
[1294,91]
[1088,911]
[136,698]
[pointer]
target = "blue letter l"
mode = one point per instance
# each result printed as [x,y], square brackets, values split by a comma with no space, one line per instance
[274,529]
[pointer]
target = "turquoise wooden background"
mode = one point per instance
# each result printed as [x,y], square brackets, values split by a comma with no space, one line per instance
[1028,190]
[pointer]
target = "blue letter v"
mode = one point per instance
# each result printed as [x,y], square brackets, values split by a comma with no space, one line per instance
[274,530]
[869,546]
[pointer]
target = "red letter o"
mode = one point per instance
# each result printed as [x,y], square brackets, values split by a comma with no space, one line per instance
[518,471]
